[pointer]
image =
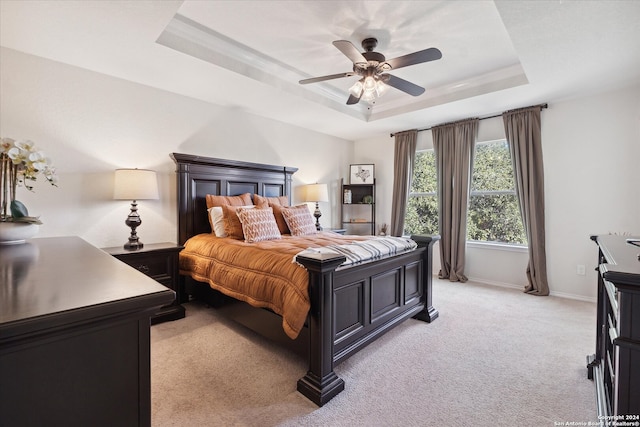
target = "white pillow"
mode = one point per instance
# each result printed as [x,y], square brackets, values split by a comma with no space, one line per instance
[217,219]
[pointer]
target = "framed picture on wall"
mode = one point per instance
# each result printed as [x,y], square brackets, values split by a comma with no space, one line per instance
[361,174]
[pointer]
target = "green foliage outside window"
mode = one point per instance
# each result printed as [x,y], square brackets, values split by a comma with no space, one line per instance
[493,216]
[421,216]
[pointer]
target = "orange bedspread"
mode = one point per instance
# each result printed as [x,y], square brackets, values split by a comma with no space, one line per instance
[262,274]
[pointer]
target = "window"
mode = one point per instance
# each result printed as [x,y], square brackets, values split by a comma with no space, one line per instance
[494,215]
[421,216]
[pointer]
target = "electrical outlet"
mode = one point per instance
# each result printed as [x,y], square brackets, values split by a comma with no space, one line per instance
[580,270]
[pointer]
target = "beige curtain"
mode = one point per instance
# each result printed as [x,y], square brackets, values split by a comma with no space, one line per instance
[454,145]
[404,158]
[522,128]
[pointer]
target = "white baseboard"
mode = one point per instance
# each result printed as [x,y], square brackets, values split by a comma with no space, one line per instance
[521,287]
[573,296]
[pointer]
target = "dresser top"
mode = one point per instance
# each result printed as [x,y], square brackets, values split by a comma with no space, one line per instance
[51,278]
[623,264]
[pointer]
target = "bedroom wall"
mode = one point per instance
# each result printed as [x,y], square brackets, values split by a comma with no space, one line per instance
[90,124]
[591,148]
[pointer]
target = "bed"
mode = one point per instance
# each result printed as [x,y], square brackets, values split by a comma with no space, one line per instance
[350,306]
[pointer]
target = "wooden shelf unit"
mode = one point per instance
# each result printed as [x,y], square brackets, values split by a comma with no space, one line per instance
[359,217]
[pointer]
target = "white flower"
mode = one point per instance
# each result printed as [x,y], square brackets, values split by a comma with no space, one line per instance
[25,145]
[23,163]
[17,156]
[6,144]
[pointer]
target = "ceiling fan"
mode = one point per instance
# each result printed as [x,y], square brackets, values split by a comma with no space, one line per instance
[371,67]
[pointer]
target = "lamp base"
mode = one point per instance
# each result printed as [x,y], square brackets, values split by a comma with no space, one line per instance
[317,214]
[133,221]
[133,245]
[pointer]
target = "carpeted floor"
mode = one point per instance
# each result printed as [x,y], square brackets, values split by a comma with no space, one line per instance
[494,357]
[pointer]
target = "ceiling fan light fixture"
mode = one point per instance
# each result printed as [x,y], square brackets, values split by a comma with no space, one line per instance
[369,84]
[356,89]
[371,65]
[369,97]
[381,88]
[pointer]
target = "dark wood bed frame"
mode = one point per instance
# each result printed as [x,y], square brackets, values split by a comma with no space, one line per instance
[350,306]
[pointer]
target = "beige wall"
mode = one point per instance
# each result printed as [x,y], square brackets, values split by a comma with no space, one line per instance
[90,124]
[591,148]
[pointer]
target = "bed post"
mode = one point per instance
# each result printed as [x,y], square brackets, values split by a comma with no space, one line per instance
[429,314]
[320,384]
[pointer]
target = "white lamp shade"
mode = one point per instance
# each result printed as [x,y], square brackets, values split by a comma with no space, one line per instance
[135,184]
[316,193]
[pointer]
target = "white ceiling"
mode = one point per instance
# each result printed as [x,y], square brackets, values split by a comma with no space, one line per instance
[250,55]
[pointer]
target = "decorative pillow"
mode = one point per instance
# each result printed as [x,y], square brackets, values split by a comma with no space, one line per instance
[264,202]
[241,200]
[232,224]
[282,224]
[258,225]
[214,200]
[299,220]
[216,218]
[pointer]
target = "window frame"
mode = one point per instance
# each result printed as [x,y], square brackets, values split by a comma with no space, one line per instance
[480,244]
[485,244]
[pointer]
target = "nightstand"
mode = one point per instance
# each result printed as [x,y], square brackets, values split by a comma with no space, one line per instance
[160,262]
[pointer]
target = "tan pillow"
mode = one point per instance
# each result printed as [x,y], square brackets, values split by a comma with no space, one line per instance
[264,202]
[299,220]
[258,225]
[214,201]
[232,224]
[241,200]
[282,224]
[216,219]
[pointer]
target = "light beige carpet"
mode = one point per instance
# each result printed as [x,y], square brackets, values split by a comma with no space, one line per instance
[494,357]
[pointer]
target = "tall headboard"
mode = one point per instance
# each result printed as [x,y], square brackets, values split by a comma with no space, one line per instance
[199,176]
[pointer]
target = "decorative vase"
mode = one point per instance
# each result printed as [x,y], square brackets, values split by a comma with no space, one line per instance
[12,233]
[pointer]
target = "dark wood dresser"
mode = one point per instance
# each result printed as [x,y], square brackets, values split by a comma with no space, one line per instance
[74,336]
[615,366]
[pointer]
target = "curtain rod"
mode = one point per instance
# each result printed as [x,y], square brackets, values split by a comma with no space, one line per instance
[542,106]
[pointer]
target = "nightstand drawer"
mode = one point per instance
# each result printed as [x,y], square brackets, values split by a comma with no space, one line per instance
[156,267]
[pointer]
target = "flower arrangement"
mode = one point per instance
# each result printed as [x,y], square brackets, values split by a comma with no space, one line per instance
[20,164]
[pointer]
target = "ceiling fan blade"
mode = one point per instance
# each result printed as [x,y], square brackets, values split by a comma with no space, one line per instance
[419,57]
[323,78]
[403,85]
[350,51]
[353,99]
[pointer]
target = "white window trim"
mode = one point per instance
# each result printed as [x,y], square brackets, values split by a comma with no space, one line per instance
[477,244]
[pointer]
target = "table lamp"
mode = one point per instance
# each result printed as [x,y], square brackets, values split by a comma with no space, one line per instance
[317,193]
[134,184]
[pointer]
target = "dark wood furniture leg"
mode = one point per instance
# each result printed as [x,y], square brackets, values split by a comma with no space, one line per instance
[428,314]
[321,384]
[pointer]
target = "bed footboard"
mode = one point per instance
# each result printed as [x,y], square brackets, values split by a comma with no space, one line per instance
[353,306]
